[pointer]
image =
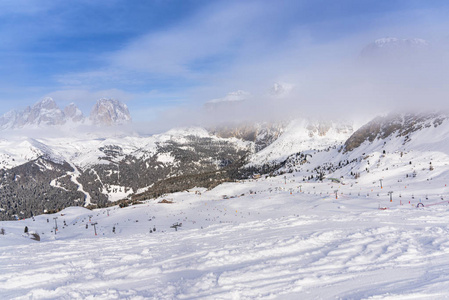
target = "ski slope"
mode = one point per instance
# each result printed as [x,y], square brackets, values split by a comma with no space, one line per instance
[271,238]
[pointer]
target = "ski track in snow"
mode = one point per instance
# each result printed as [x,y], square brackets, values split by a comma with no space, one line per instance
[74,178]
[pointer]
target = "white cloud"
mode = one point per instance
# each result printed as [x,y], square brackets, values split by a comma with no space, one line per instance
[229,46]
[232,97]
[192,48]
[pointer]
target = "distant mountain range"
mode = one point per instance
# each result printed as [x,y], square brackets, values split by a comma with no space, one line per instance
[48,174]
[47,113]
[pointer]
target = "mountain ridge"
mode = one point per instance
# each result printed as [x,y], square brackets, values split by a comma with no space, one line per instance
[46,113]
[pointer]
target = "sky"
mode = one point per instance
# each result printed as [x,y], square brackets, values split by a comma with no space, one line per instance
[166,59]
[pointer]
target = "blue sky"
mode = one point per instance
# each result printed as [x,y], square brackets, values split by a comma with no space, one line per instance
[159,55]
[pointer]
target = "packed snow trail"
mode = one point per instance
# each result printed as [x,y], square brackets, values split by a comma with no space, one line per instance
[74,178]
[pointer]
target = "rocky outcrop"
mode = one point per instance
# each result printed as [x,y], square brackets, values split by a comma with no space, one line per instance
[262,134]
[110,112]
[397,125]
[43,113]
[73,113]
[47,113]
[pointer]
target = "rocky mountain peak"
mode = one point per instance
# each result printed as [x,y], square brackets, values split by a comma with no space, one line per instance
[110,112]
[323,127]
[262,134]
[46,103]
[73,113]
[45,112]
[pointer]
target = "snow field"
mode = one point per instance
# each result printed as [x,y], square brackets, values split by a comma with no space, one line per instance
[273,243]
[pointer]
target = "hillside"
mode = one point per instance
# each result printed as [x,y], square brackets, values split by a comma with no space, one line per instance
[275,237]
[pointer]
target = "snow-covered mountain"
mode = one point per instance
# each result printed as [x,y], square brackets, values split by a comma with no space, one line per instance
[46,112]
[394,126]
[394,46]
[304,135]
[96,170]
[43,113]
[261,134]
[396,146]
[106,169]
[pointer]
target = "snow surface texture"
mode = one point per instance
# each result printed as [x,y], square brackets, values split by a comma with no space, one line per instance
[272,238]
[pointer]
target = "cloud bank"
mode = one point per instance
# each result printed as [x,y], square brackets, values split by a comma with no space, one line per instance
[167,61]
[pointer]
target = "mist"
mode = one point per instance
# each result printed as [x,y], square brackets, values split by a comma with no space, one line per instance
[172,68]
[331,72]
[354,87]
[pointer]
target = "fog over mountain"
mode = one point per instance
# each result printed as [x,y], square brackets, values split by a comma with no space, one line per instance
[356,82]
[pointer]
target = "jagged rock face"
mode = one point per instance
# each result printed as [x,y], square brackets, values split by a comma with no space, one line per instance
[321,128]
[262,134]
[110,112]
[399,125]
[45,112]
[72,113]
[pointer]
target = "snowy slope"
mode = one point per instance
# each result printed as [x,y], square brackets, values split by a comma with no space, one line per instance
[270,239]
[303,135]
